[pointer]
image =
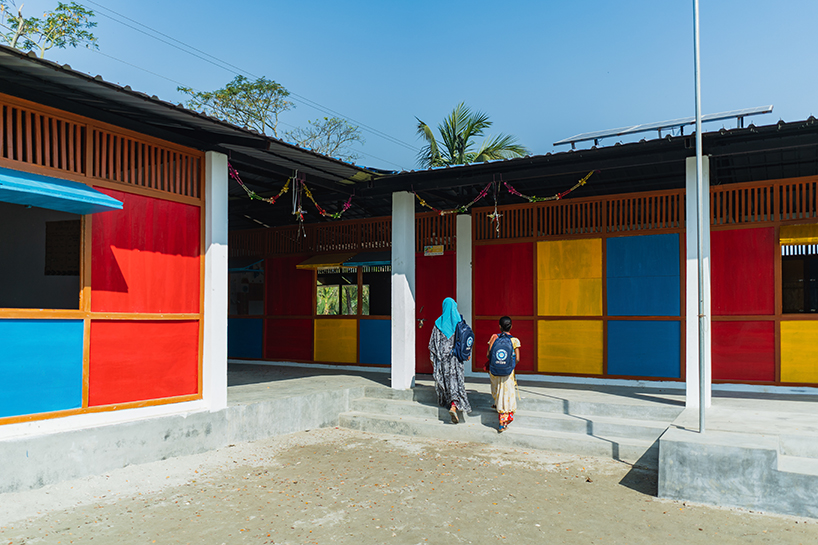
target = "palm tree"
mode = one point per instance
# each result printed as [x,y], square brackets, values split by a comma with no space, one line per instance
[457,132]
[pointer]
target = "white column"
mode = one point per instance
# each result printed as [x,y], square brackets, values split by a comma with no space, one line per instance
[403,290]
[464,276]
[692,285]
[214,349]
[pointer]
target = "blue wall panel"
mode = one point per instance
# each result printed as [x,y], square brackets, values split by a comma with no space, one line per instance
[40,366]
[375,341]
[643,276]
[644,348]
[245,338]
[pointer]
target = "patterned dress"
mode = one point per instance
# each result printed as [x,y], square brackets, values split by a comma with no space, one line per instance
[450,383]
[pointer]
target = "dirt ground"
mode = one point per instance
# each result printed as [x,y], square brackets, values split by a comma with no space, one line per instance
[340,486]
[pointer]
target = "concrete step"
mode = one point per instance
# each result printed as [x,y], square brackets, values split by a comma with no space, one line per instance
[601,426]
[803,446]
[482,428]
[798,465]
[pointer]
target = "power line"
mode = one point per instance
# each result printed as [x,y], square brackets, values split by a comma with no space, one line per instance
[190,50]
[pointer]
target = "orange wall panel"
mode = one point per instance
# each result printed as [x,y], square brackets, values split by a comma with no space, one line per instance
[138,361]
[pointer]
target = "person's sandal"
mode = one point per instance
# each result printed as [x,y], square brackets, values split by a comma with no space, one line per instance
[501,428]
[453,413]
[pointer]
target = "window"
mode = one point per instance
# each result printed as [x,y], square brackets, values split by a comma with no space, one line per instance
[338,292]
[799,274]
[40,256]
[247,291]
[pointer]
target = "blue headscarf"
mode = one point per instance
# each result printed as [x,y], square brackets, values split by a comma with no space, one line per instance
[447,322]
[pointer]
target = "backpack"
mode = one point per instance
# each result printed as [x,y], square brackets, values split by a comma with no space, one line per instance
[463,340]
[502,358]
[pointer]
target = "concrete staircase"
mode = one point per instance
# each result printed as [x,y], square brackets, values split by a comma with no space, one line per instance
[617,427]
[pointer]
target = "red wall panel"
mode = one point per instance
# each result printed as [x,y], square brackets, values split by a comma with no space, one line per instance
[137,361]
[742,271]
[504,280]
[289,290]
[289,339]
[743,351]
[435,279]
[522,329]
[146,257]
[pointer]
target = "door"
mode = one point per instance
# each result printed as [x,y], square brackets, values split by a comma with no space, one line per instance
[435,279]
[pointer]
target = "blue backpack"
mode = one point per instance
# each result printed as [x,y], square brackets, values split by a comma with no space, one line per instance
[502,358]
[463,340]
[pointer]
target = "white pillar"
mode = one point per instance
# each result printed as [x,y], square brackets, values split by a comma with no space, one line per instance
[692,285]
[464,277]
[214,349]
[403,290]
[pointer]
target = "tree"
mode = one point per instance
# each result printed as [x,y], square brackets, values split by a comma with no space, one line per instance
[258,104]
[67,25]
[457,133]
[331,136]
[249,104]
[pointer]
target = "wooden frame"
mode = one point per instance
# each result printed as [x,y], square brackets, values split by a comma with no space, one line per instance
[47,141]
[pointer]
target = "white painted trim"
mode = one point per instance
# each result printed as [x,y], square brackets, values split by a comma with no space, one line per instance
[92,420]
[692,287]
[214,344]
[403,290]
[464,280]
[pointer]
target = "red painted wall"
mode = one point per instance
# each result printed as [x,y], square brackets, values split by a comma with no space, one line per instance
[146,257]
[522,329]
[136,361]
[289,339]
[504,280]
[742,272]
[743,351]
[435,279]
[289,290]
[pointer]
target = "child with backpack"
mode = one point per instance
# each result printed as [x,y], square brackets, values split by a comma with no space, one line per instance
[504,354]
[449,346]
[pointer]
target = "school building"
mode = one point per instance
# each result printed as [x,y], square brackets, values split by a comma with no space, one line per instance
[144,245]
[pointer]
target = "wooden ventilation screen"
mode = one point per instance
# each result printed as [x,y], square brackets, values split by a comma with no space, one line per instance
[128,160]
[656,212]
[736,205]
[43,140]
[569,218]
[433,229]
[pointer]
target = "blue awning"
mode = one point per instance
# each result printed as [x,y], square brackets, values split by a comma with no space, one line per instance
[370,259]
[53,193]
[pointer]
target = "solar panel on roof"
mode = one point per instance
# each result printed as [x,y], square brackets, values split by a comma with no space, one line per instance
[662,125]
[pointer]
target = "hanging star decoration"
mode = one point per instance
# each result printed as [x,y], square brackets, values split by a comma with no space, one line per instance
[556,197]
[252,194]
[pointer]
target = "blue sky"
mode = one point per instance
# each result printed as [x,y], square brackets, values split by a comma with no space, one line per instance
[543,70]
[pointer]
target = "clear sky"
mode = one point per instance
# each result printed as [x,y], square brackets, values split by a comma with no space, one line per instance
[543,70]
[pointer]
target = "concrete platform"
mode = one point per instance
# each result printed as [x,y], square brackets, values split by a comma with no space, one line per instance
[760,451]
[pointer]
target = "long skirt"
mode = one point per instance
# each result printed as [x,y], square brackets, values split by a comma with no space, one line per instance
[504,392]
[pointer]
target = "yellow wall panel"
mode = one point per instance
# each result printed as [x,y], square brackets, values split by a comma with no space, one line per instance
[336,341]
[570,297]
[569,277]
[799,351]
[799,234]
[570,347]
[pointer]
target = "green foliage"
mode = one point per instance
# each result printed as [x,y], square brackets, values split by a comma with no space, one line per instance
[67,25]
[457,146]
[331,136]
[249,104]
[327,301]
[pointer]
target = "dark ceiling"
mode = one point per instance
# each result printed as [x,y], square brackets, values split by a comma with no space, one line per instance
[782,150]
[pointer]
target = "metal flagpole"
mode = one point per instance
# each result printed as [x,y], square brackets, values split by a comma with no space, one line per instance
[700,196]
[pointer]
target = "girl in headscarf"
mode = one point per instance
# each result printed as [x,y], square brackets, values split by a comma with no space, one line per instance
[450,383]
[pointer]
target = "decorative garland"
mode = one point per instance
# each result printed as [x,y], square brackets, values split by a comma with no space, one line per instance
[335,215]
[299,187]
[459,209]
[556,197]
[252,194]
